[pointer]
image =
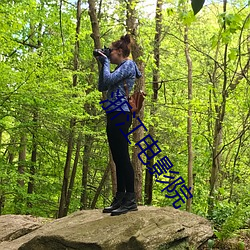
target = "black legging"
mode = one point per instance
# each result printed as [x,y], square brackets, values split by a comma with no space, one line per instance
[119,149]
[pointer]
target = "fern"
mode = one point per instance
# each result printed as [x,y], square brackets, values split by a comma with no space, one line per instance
[233,223]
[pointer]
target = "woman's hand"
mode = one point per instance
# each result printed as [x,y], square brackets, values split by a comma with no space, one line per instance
[101,58]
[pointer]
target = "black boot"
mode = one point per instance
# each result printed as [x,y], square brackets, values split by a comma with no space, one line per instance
[128,204]
[117,200]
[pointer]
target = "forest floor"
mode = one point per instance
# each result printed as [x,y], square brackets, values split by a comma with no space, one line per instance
[232,244]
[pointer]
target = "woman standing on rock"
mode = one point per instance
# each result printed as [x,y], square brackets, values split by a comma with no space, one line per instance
[118,112]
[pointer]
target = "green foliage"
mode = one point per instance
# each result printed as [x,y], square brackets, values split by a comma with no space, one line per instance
[235,221]
[39,80]
[241,245]
[221,212]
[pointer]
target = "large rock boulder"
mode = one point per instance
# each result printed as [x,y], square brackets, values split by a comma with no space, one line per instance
[15,226]
[148,228]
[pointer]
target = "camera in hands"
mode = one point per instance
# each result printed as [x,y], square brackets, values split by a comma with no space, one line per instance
[98,52]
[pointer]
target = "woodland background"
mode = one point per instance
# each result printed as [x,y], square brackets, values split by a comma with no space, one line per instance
[54,155]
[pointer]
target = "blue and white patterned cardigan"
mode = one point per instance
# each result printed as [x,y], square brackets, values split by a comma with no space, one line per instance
[113,81]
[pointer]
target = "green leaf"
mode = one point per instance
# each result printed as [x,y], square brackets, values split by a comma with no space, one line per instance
[222,190]
[214,40]
[218,235]
[233,54]
[226,36]
[170,11]
[197,5]
[188,17]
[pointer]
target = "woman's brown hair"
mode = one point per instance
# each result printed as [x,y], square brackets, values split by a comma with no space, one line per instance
[124,44]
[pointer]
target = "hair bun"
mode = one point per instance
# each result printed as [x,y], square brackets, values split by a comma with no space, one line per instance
[126,39]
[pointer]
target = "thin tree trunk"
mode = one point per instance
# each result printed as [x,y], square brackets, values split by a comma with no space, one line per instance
[73,174]
[98,191]
[113,173]
[85,169]
[77,43]
[34,144]
[66,170]
[11,154]
[189,119]
[157,42]
[78,144]
[64,191]
[2,201]
[2,196]
[240,142]
[95,24]
[21,159]
[1,135]
[214,80]
[21,169]
[1,180]
[217,142]
[137,53]
[97,44]
[33,157]
[32,169]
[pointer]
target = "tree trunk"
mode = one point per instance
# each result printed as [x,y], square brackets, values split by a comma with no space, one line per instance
[245,121]
[137,53]
[98,191]
[94,24]
[1,135]
[19,199]
[2,201]
[77,43]
[66,170]
[113,173]
[11,152]
[217,142]
[9,160]
[189,119]
[33,156]
[97,45]
[2,197]
[73,174]
[85,169]
[1,179]
[157,43]
[35,111]
[21,159]
[220,110]
[62,206]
